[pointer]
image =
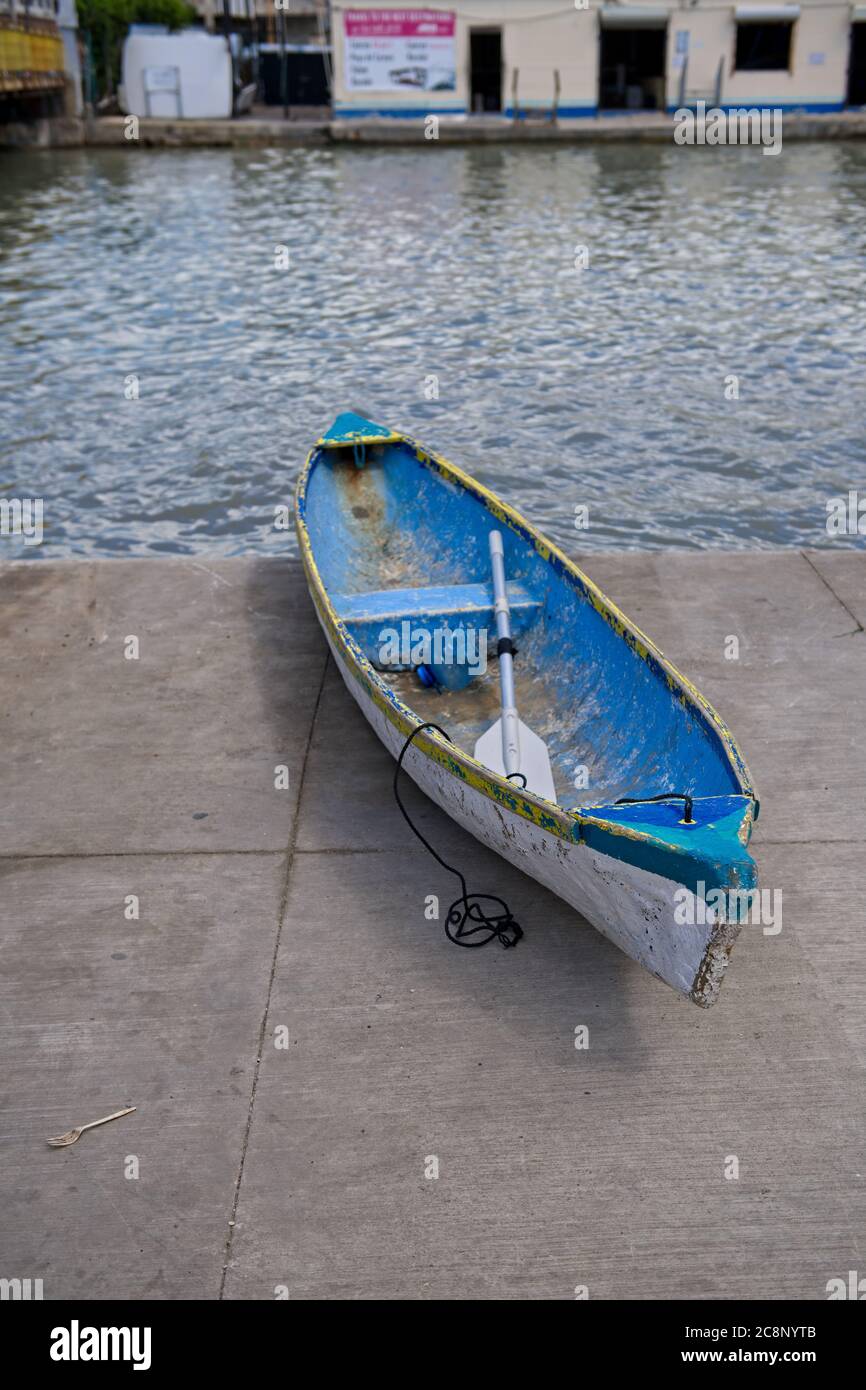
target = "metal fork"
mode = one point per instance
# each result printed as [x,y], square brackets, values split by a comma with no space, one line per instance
[73,1135]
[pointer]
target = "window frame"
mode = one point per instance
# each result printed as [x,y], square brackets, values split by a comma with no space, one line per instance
[783,23]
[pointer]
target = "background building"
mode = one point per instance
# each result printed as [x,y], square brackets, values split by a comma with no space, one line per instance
[501,55]
[33,62]
[292,58]
[303,20]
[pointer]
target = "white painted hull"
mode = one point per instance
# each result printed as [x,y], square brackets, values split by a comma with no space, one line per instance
[632,907]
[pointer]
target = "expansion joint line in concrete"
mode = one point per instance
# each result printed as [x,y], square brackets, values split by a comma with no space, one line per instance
[23,856]
[858,626]
[284,898]
[782,844]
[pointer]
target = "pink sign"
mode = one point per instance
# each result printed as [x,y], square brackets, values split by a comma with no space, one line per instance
[399,50]
[431,24]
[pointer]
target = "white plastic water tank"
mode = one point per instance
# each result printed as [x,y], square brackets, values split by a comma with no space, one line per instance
[183,75]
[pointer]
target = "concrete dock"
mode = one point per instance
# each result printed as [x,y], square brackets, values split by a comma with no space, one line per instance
[251,967]
[268,128]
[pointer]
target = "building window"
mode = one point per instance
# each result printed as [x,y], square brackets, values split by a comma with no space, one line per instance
[764,47]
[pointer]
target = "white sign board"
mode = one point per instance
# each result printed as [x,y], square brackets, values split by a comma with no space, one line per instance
[400,50]
[161,79]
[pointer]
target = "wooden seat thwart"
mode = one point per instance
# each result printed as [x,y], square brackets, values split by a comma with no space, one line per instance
[440,605]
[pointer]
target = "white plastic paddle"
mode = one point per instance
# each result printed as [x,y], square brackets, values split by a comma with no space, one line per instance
[508,746]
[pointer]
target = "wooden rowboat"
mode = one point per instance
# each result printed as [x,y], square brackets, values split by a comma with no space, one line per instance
[394,541]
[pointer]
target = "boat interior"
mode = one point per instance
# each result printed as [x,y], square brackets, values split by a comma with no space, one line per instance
[402,551]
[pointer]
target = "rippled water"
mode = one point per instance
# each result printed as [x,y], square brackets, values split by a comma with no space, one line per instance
[557,387]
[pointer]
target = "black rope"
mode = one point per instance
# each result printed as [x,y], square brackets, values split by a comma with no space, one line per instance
[466,917]
[664,796]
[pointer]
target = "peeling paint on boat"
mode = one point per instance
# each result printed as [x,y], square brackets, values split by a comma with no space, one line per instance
[619,866]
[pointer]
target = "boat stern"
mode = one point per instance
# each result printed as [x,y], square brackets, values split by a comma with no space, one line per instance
[693,882]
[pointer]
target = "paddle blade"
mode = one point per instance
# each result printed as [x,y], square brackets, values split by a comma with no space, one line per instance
[534,759]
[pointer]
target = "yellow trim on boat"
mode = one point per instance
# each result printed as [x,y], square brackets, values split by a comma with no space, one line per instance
[547,815]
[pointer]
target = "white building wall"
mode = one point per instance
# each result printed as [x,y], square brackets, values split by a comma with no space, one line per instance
[819,58]
[537,41]
[539,36]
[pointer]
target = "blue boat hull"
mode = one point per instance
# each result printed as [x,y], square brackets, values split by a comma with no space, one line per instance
[395,544]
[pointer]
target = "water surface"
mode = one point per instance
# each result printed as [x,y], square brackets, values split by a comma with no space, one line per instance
[424,271]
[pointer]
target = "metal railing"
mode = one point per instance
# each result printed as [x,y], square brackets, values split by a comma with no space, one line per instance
[548,113]
[715,97]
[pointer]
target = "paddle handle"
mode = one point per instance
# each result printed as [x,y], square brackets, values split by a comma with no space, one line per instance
[502,613]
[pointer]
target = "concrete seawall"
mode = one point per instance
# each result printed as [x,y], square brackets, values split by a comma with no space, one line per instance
[646,129]
[252,967]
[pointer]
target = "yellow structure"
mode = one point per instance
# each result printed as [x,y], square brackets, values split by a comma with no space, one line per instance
[31,55]
[301,19]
